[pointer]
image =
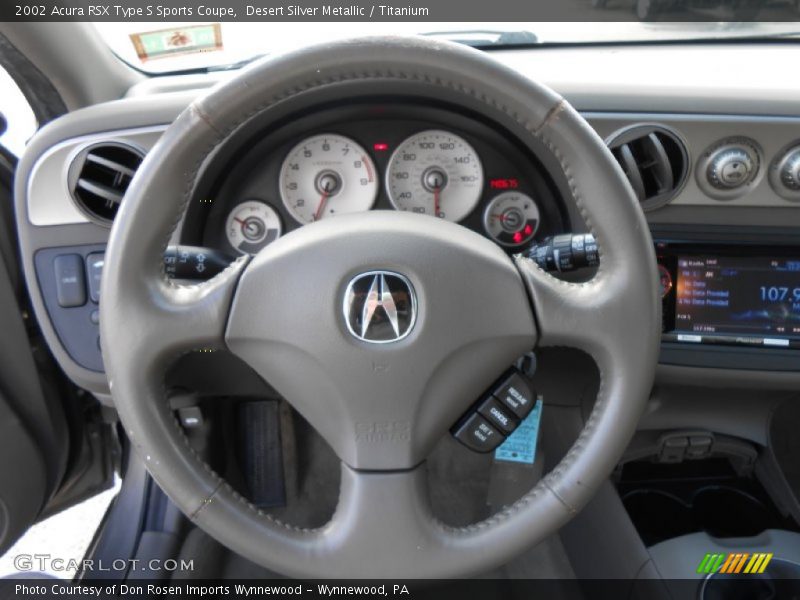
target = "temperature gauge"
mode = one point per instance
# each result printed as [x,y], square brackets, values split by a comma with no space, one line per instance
[512,219]
[251,226]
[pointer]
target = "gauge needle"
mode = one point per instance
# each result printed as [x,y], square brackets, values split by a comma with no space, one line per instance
[244,224]
[321,206]
[436,192]
[500,217]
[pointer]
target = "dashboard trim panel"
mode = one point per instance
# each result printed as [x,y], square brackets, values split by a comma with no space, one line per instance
[691,219]
[48,197]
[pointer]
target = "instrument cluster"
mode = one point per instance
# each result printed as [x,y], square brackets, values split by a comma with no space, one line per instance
[423,160]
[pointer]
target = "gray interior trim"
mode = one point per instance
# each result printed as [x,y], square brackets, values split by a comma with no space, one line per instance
[727,378]
[701,132]
[671,78]
[49,198]
[665,78]
[92,122]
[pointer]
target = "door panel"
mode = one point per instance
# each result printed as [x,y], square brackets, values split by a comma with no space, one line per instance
[34,446]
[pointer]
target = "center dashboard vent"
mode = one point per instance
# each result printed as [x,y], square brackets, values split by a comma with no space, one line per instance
[99,176]
[655,161]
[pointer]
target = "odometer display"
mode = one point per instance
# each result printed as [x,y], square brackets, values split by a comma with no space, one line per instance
[435,173]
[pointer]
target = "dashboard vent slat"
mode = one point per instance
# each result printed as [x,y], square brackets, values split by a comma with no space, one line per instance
[655,161]
[99,176]
[98,189]
[110,164]
[628,163]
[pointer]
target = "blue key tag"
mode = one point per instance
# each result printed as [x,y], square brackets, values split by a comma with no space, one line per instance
[520,446]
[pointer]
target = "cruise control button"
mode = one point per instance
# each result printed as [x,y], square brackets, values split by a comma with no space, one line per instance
[476,434]
[70,280]
[516,394]
[498,415]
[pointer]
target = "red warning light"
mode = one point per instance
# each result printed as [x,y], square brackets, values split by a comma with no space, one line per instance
[518,237]
[528,230]
[509,183]
[380,146]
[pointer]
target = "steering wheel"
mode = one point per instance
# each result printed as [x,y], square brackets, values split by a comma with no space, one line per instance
[381,407]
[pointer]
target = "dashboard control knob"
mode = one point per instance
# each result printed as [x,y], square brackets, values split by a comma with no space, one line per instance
[730,168]
[790,171]
[784,174]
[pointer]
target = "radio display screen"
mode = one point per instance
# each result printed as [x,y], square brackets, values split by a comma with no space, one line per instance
[755,298]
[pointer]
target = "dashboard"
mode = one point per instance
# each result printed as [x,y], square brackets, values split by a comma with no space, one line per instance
[376,156]
[716,179]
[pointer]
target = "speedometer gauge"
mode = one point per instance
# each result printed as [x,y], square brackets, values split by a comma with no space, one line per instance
[436,173]
[327,175]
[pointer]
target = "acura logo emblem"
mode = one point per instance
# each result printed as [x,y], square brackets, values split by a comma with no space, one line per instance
[380,307]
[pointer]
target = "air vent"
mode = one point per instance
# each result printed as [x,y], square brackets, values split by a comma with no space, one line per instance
[654,160]
[100,175]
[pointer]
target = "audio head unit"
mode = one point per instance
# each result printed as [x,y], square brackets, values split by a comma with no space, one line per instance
[731,295]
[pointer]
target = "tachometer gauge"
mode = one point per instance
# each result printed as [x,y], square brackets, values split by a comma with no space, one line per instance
[435,173]
[251,226]
[512,219]
[327,175]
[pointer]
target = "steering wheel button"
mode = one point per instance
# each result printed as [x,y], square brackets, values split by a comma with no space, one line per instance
[498,415]
[517,395]
[478,435]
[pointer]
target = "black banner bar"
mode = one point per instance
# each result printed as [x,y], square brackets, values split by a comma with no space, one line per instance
[467,589]
[476,11]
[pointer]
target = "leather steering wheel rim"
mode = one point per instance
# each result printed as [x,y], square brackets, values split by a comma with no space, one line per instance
[383,526]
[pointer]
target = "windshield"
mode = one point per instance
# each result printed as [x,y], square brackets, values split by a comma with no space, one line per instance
[168,47]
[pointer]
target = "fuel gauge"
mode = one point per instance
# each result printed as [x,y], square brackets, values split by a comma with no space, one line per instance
[512,219]
[252,225]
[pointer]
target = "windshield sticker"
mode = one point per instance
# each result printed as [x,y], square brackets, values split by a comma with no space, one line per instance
[173,42]
[520,446]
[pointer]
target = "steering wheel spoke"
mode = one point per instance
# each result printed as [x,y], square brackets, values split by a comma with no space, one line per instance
[585,316]
[173,318]
[383,513]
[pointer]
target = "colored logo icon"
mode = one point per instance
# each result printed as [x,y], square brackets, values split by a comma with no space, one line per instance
[735,563]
